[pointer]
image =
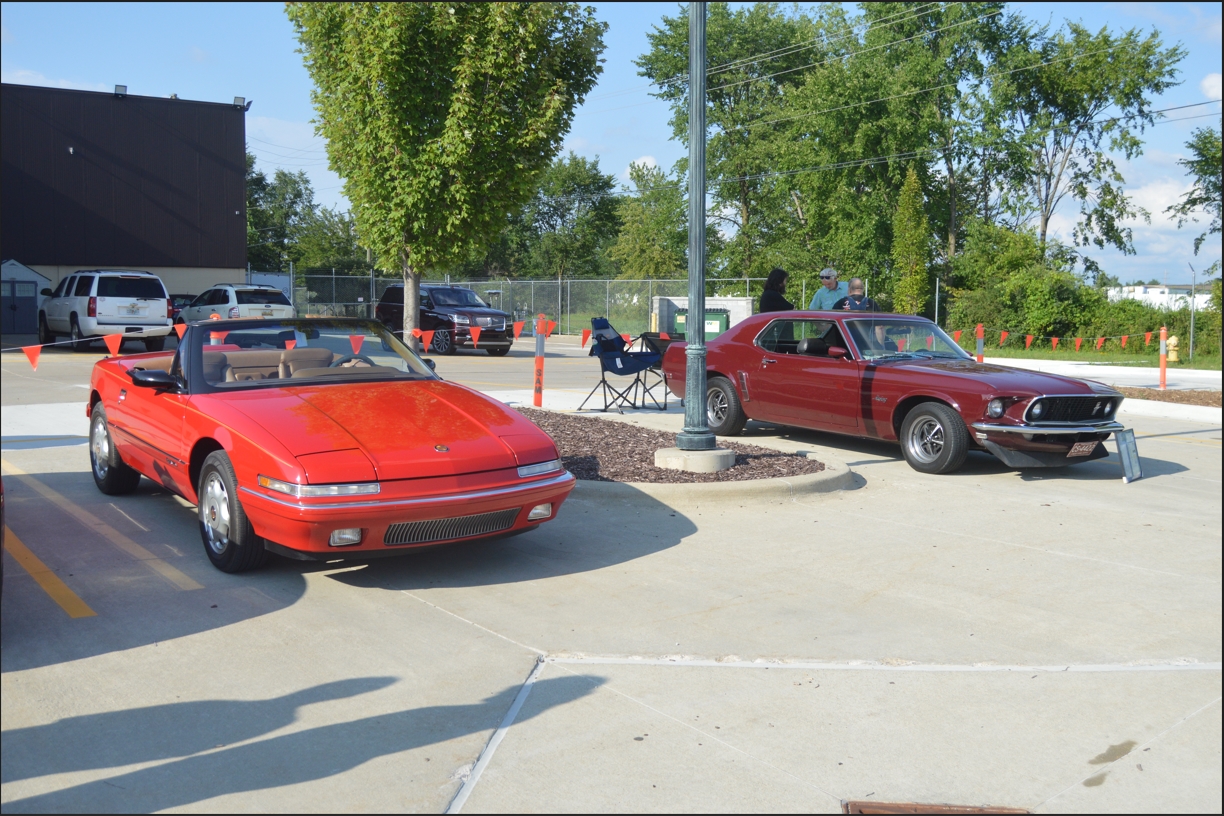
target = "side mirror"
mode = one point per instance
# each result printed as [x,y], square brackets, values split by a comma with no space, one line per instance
[838,351]
[153,379]
[432,365]
[46,292]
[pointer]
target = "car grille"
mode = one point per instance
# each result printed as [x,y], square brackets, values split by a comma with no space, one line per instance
[498,323]
[1076,409]
[423,532]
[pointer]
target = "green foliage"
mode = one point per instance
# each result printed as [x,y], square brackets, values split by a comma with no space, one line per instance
[440,117]
[329,240]
[572,220]
[1204,166]
[653,240]
[911,251]
[279,212]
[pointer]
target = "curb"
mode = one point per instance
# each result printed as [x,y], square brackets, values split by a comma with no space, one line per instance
[1172,410]
[837,475]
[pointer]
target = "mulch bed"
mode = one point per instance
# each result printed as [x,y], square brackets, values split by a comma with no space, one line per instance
[608,451]
[1210,398]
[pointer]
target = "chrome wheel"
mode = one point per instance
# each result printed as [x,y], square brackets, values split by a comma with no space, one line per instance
[925,440]
[717,407]
[99,447]
[442,342]
[215,513]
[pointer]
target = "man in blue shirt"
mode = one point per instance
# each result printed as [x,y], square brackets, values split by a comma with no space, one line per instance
[829,292]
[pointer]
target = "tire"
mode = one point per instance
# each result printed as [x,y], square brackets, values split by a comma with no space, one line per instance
[154,343]
[110,474]
[44,331]
[934,438]
[724,413]
[443,342]
[498,352]
[229,540]
[80,343]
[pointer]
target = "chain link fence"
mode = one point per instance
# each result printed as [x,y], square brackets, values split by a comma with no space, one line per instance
[570,302]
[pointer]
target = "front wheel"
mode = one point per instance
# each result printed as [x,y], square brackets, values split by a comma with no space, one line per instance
[498,352]
[229,540]
[44,331]
[724,413]
[443,342]
[934,438]
[110,474]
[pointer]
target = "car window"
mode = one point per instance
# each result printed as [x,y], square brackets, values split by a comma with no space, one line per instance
[130,287]
[783,336]
[456,297]
[394,294]
[267,297]
[83,285]
[202,298]
[59,287]
[902,339]
[219,297]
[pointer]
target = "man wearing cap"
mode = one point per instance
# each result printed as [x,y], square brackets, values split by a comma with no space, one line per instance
[830,291]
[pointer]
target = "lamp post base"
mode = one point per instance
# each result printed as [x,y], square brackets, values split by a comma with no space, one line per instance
[695,461]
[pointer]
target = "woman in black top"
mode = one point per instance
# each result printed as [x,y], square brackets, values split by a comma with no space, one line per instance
[772,299]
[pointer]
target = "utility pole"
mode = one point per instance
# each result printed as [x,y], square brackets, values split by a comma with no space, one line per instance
[696,435]
[1193,292]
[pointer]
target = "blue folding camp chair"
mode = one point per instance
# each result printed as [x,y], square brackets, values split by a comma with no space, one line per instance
[615,358]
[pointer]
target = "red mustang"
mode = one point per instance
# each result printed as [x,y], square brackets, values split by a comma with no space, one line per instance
[318,438]
[897,378]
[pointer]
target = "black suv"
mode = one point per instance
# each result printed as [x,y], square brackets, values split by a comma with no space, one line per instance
[450,312]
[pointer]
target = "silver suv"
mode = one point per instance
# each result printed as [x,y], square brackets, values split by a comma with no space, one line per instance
[90,303]
[238,300]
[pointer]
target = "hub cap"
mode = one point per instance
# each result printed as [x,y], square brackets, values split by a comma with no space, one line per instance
[442,340]
[215,513]
[717,406]
[99,448]
[926,440]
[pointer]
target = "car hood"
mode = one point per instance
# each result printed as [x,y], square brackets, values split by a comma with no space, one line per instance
[1004,379]
[408,430]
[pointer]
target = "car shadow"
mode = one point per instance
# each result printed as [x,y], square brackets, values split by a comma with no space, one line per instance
[288,759]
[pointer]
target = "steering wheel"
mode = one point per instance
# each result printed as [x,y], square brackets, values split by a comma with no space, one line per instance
[346,358]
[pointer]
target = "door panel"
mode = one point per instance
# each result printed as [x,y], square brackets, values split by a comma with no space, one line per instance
[814,391]
[155,420]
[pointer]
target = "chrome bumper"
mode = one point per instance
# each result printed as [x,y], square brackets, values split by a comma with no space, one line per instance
[1102,427]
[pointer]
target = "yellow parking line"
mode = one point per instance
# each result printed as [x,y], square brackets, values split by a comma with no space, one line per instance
[45,578]
[171,574]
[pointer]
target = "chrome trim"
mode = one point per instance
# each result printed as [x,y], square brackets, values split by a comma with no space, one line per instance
[565,477]
[1113,395]
[1103,427]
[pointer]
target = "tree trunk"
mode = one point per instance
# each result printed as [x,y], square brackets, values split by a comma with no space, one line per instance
[412,303]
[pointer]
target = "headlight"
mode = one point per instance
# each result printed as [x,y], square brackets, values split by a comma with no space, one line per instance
[317,491]
[536,470]
[995,408]
[1038,410]
[461,320]
[1109,407]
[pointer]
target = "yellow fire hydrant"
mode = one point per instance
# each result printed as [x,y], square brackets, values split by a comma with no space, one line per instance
[1172,345]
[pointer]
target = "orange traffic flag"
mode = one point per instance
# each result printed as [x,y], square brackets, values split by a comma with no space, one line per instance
[113,342]
[586,335]
[548,330]
[180,329]
[1100,342]
[355,340]
[31,353]
[1028,341]
[1079,341]
[290,344]
[1054,344]
[426,339]
[475,332]
[1002,338]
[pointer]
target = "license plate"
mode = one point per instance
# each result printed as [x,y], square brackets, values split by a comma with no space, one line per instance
[1082,449]
[133,310]
[267,312]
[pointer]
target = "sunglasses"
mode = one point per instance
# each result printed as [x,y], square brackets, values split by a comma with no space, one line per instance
[826,277]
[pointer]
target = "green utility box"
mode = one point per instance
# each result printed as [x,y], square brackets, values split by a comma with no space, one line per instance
[717,321]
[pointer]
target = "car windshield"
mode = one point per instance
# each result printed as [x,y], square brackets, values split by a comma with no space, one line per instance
[238,354]
[456,297]
[266,297]
[883,340]
[133,287]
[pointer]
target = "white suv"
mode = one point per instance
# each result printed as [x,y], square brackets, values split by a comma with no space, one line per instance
[90,303]
[238,300]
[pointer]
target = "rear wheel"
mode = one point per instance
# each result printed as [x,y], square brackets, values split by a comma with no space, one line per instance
[154,343]
[79,341]
[229,540]
[934,438]
[443,342]
[723,411]
[498,352]
[44,331]
[110,474]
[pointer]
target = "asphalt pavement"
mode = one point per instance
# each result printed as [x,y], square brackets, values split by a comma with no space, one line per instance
[1046,640]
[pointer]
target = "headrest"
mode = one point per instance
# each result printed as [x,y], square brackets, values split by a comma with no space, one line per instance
[812,346]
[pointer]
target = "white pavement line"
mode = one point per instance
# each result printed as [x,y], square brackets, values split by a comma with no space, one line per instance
[711,737]
[486,755]
[1128,753]
[867,666]
[474,623]
[129,518]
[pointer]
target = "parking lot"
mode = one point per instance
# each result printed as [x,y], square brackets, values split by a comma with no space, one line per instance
[1047,640]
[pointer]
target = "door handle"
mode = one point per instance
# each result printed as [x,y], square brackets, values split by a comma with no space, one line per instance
[767,361]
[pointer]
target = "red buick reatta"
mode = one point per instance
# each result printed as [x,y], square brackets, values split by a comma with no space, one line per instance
[318,438]
[897,378]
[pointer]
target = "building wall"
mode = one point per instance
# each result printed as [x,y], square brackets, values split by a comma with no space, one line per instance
[97,180]
[178,280]
[1162,297]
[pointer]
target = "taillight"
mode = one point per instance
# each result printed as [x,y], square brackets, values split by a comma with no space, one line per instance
[233,311]
[93,307]
[170,308]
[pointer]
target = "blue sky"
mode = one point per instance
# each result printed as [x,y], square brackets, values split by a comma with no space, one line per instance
[218,51]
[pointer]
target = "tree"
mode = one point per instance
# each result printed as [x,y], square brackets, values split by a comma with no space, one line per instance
[278,213]
[1204,197]
[572,219]
[440,117]
[653,241]
[911,249]
[329,240]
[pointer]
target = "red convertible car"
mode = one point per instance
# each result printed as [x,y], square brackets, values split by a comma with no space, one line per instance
[896,378]
[318,438]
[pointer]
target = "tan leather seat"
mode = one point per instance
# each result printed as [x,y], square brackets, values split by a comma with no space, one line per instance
[293,359]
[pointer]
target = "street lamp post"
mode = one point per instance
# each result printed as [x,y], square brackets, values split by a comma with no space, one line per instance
[696,435]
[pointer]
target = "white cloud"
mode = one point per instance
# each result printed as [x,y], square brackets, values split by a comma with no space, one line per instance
[24,77]
[1155,197]
[645,161]
[293,146]
[1211,86]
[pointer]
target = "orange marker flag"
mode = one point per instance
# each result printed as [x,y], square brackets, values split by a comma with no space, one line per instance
[180,329]
[1079,341]
[290,345]
[518,328]
[1002,338]
[218,336]
[586,335]
[214,316]
[355,340]
[1100,342]
[1028,341]
[31,353]
[956,335]
[548,329]
[1124,340]
[1054,344]
[417,332]
[664,336]
[930,342]
[900,344]
[626,338]
[475,332]
[113,342]
[426,339]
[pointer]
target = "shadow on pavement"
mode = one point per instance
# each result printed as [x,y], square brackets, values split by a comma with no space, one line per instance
[291,759]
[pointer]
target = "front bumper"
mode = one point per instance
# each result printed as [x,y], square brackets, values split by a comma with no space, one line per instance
[306,525]
[1055,430]
[1023,446]
[489,338]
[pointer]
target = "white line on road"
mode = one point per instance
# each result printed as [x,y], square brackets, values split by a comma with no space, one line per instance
[871,666]
[473,623]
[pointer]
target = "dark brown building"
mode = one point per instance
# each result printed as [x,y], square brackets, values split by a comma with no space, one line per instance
[109,180]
